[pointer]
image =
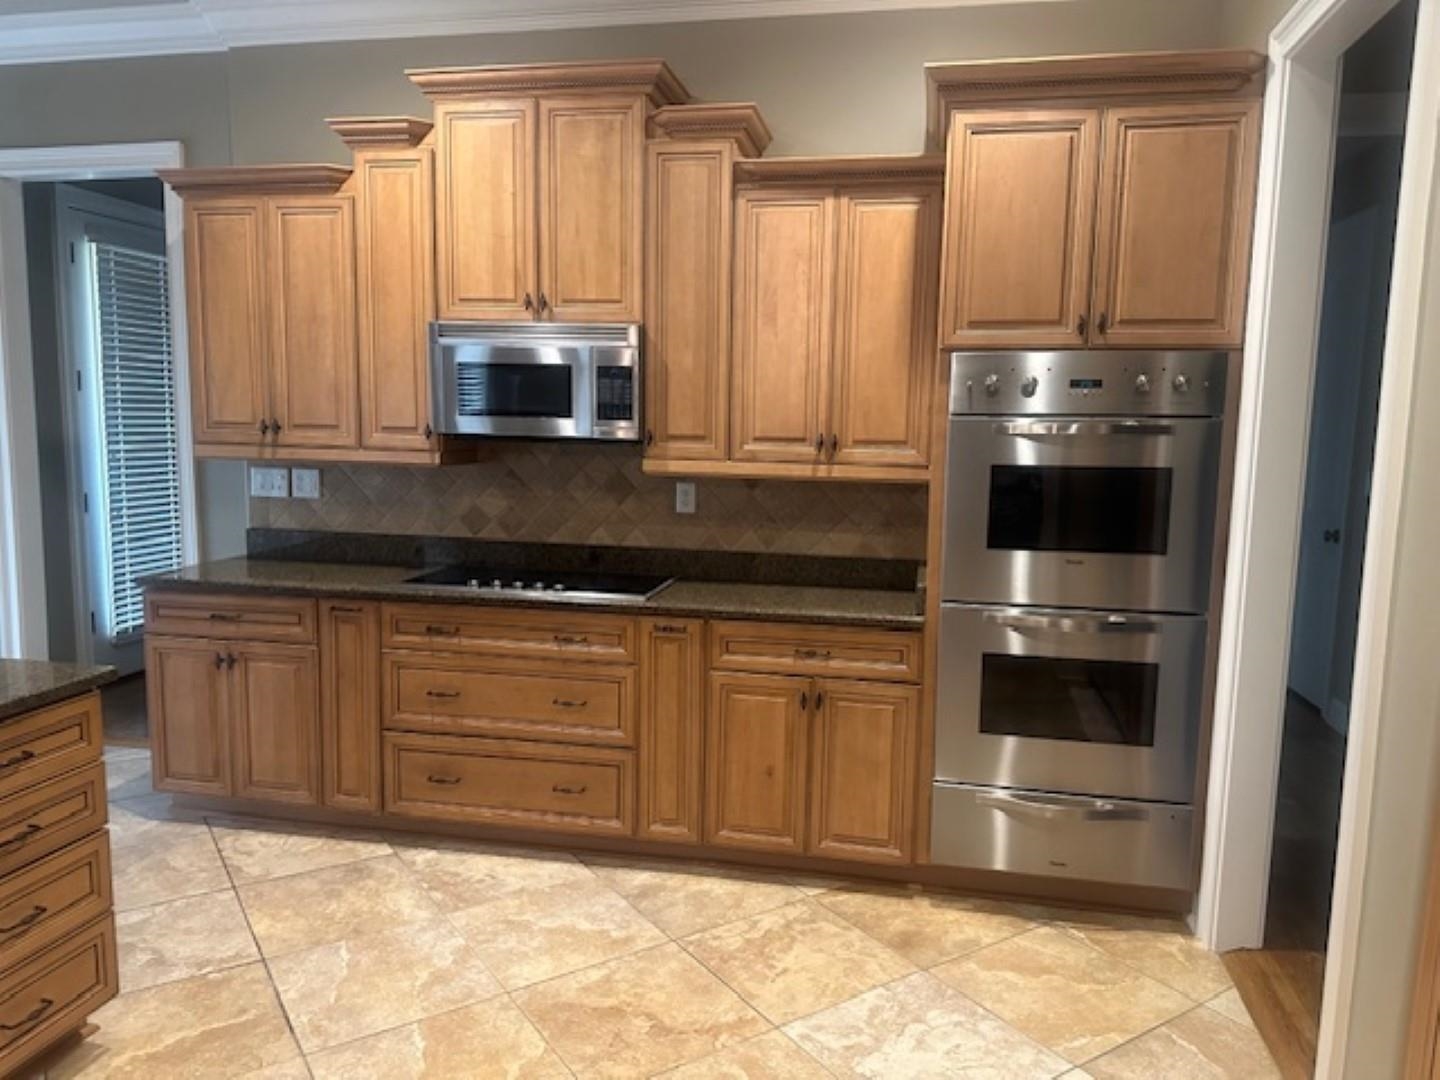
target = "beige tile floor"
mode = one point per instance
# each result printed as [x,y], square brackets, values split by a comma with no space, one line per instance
[250,949]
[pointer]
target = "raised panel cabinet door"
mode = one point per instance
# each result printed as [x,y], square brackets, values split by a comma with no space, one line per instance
[862,789]
[395,248]
[784,285]
[755,761]
[310,255]
[229,375]
[1177,207]
[885,352]
[687,300]
[592,161]
[672,708]
[275,730]
[1019,228]
[350,704]
[187,687]
[485,231]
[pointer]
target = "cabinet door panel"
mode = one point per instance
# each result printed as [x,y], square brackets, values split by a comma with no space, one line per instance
[687,305]
[672,692]
[863,787]
[226,314]
[885,346]
[1177,203]
[311,261]
[188,702]
[350,704]
[276,728]
[784,266]
[755,762]
[396,278]
[592,154]
[1019,228]
[485,209]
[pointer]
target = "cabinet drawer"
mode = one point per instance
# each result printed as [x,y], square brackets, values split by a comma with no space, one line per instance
[567,788]
[835,651]
[54,897]
[51,815]
[49,742]
[558,703]
[231,617]
[51,995]
[575,635]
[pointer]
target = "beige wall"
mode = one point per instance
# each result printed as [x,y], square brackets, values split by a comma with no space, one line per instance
[1247,23]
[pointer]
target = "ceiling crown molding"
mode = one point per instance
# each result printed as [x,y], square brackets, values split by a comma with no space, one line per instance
[200,26]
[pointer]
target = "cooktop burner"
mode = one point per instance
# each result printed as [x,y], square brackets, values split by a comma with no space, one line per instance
[552,584]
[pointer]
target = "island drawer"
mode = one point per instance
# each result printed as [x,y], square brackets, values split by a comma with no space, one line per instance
[53,897]
[833,651]
[48,742]
[50,995]
[231,617]
[575,635]
[506,782]
[51,815]
[553,702]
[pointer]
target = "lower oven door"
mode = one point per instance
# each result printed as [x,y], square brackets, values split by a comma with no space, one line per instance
[1080,702]
[1106,840]
[1093,512]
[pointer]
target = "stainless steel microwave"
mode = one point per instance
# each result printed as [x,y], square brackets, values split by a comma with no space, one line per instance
[536,380]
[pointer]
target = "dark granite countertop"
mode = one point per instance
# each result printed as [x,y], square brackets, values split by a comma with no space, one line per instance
[712,599]
[27,685]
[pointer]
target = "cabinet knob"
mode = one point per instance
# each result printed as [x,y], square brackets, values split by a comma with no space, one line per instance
[649,437]
[544,303]
[820,443]
[529,303]
[264,427]
[275,426]
[1082,326]
[834,443]
[1103,323]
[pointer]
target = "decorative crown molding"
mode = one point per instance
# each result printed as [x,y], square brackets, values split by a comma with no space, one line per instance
[257,179]
[380,132]
[740,122]
[864,168]
[652,77]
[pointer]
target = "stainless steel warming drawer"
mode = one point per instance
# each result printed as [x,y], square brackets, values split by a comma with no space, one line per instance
[1114,841]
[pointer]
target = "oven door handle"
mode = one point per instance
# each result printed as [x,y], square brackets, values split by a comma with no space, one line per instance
[1040,807]
[1083,427]
[1070,624]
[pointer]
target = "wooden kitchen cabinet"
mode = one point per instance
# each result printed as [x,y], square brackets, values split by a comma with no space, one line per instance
[350,704]
[756,761]
[862,787]
[188,697]
[275,706]
[672,710]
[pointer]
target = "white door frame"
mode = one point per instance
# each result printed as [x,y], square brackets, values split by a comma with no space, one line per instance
[1301,111]
[22,598]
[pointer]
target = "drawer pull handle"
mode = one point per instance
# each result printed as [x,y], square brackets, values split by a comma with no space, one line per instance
[567,789]
[442,693]
[346,610]
[19,759]
[36,913]
[225,616]
[571,639]
[668,628]
[565,703]
[812,654]
[442,631]
[442,779]
[21,837]
[46,1004]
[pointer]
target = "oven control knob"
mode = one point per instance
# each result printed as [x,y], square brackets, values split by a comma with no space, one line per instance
[992,384]
[1029,386]
[1182,384]
[1142,383]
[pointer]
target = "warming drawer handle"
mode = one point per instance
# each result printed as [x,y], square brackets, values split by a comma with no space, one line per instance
[36,914]
[21,837]
[1098,810]
[1083,427]
[19,759]
[566,703]
[1109,624]
[568,789]
[997,801]
[35,1016]
[434,779]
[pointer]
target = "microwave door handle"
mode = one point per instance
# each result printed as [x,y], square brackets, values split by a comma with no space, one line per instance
[1083,427]
[1071,624]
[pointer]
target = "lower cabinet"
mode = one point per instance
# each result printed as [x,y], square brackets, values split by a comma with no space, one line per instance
[350,704]
[672,713]
[188,688]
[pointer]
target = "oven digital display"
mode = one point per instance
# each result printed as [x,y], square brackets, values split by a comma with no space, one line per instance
[1087,384]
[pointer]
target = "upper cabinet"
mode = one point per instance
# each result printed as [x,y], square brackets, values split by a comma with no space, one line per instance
[1100,201]
[540,190]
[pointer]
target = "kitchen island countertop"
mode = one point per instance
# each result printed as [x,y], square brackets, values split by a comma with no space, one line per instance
[27,685]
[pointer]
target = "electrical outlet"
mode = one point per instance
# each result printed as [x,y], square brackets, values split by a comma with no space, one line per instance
[269,483]
[685,497]
[304,483]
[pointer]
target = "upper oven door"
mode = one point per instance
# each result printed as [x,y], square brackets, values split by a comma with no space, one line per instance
[490,388]
[1081,702]
[1093,512]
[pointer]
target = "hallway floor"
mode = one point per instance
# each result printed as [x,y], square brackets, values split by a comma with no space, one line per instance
[252,949]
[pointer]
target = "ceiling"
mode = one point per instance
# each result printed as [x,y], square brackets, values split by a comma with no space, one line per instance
[47,31]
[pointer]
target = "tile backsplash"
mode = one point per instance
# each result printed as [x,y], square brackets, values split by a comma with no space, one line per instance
[576,493]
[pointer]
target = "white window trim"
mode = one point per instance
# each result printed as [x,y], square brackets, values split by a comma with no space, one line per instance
[22,599]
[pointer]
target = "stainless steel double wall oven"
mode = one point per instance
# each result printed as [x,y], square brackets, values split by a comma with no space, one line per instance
[1079,524]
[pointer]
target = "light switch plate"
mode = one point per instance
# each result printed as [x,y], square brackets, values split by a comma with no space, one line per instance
[268,482]
[685,497]
[304,483]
